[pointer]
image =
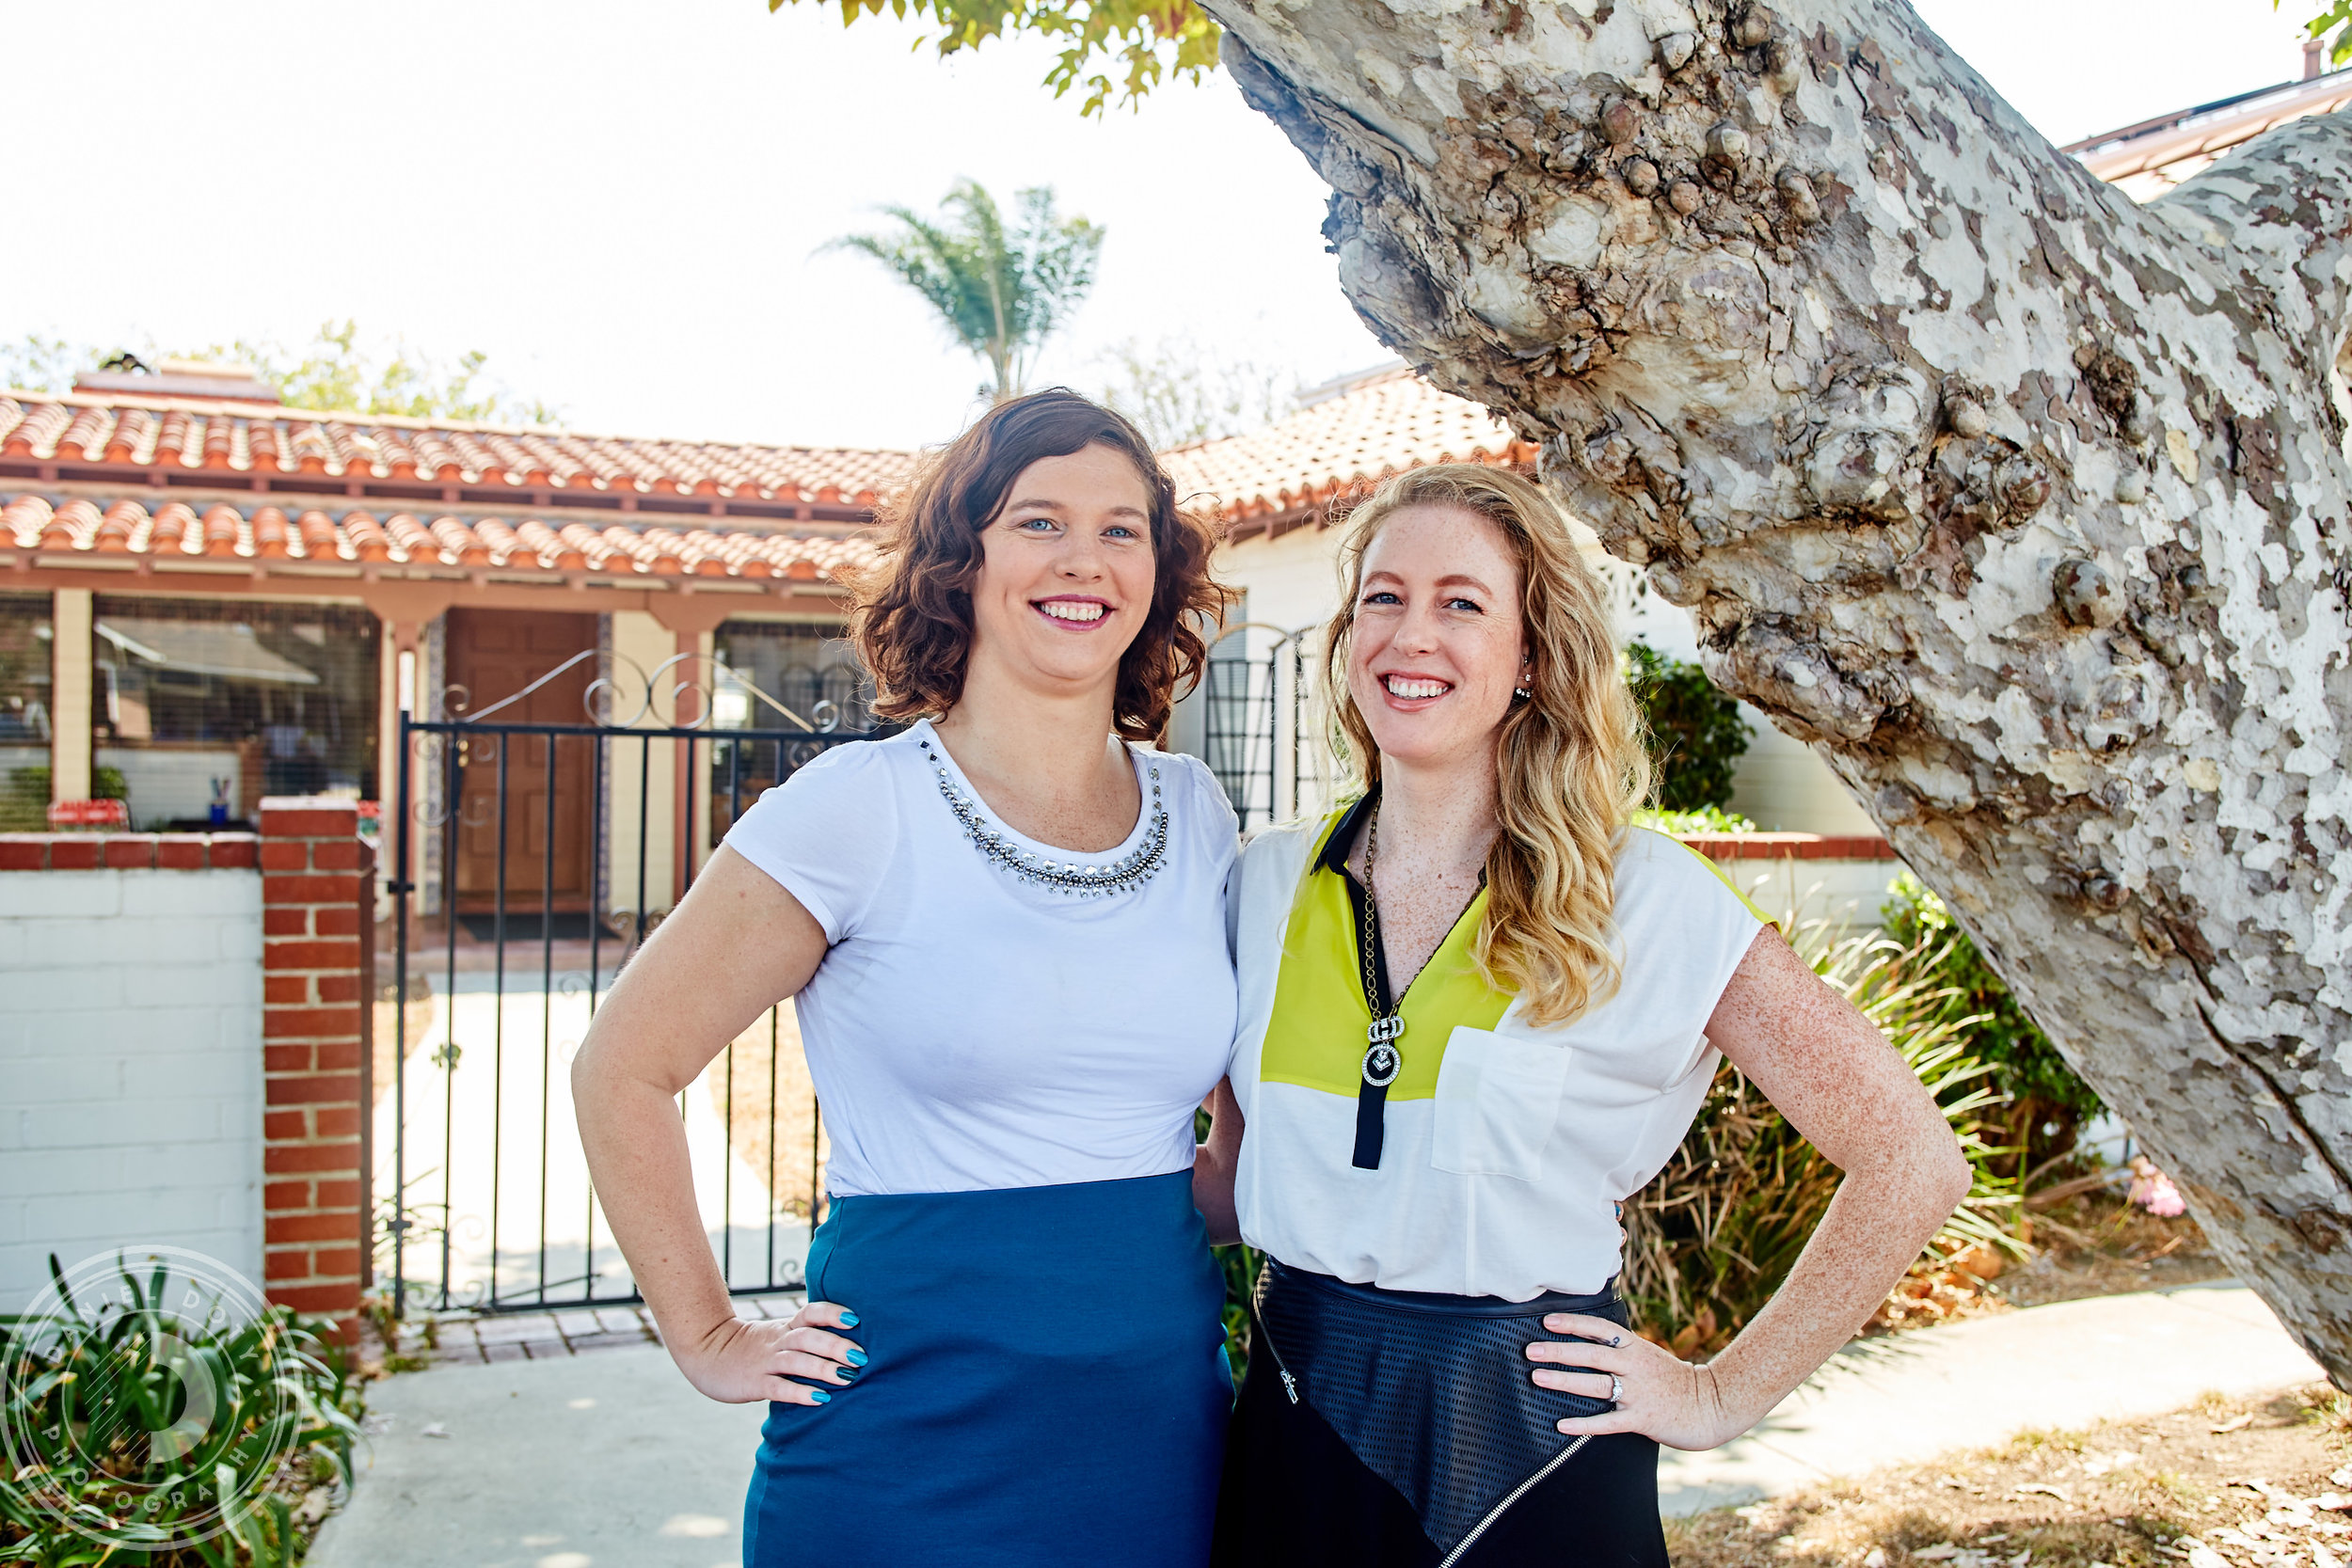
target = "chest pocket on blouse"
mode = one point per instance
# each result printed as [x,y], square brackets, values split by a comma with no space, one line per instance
[1498,1099]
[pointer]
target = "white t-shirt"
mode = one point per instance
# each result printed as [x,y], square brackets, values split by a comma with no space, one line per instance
[1506,1146]
[967,1030]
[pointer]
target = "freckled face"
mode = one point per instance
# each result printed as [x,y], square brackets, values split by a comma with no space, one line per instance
[1066,570]
[1438,646]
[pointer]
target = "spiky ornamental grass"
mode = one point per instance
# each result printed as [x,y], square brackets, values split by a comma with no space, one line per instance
[1712,1237]
[283,1416]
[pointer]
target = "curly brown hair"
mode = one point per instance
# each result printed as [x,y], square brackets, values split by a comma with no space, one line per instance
[911,621]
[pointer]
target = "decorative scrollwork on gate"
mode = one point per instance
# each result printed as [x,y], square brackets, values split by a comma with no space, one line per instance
[624,696]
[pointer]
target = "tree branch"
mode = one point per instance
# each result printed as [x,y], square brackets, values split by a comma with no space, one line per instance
[2025,505]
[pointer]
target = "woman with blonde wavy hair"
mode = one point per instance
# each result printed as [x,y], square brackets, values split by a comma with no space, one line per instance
[1478,1009]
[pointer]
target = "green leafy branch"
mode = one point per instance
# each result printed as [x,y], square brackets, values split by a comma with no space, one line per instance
[1124,47]
[2337,19]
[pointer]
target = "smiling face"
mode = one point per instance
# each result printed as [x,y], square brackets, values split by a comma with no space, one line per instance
[1437,644]
[1066,572]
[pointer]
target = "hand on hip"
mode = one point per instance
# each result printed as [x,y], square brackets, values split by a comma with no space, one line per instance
[1656,1392]
[747,1359]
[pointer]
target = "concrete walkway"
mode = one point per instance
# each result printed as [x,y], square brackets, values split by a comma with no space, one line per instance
[1909,1397]
[610,1460]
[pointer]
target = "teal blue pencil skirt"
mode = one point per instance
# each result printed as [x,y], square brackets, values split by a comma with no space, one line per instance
[1047,1385]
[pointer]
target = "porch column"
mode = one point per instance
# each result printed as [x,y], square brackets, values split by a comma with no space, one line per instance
[69,614]
[399,673]
[693,620]
[404,610]
[643,798]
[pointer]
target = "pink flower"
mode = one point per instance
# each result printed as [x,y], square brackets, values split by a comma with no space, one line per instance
[2152,1190]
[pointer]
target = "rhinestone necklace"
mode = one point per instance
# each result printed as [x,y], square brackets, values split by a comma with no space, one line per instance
[1124,874]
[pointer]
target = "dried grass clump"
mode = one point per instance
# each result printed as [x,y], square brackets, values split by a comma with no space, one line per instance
[1710,1240]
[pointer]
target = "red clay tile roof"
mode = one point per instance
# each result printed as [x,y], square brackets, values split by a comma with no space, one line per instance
[245,438]
[2146,160]
[176,531]
[1380,424]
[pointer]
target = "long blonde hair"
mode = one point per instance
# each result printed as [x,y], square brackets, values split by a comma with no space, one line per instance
[1569,758]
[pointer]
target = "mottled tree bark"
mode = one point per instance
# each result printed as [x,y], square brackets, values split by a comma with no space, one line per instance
[2022,504]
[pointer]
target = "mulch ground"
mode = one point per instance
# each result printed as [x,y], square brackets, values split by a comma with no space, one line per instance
[2093,1245]
[2226,1483]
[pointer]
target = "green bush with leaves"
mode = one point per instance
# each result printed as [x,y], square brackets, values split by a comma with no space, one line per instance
[1709,1240]
[1706,819]
[24,801]
[1109,47]
[1696,735]
[282,1419]
[24,796]
[2047,1102]
[1240,1265]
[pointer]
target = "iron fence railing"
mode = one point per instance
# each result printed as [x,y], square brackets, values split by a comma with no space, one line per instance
[1262,731]
[529,902]
[531,857]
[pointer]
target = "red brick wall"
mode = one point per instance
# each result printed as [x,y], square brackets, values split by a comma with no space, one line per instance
[1773,846]
[126,851]
[315,886]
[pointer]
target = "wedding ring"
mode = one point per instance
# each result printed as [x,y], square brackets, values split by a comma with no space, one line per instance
[1615,1339]
[1617,1390]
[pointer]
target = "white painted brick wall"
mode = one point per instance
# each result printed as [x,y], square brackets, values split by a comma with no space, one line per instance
[130,1067]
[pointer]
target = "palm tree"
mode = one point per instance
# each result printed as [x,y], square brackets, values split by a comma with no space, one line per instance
[1001,293]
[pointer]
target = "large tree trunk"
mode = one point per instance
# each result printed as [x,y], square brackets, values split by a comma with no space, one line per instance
[2022,504]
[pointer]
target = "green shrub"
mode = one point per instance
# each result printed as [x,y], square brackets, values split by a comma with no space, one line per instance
[1709,1240]
[25,801]
[286,1420]
[1696,735]
[24,796]
[1240,1265]
[1706,819]
[2048,1104]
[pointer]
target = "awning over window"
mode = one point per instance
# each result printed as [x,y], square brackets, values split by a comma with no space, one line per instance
[222,648]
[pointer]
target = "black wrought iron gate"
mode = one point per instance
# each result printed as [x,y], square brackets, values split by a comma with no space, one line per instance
[532,858]
[1260,731]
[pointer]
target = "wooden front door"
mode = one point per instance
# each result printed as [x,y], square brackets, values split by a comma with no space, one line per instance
[494,654]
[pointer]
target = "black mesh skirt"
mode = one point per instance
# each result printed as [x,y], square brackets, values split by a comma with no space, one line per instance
[1372,1415]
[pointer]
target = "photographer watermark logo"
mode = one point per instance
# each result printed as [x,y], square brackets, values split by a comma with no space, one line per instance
[142,1400]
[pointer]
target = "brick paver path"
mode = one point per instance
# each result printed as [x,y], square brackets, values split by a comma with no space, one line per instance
[472,1340]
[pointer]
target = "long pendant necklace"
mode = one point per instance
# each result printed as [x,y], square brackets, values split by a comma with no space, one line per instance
[1383,1057]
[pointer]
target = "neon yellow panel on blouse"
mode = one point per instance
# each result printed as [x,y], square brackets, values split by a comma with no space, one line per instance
[1315,1038]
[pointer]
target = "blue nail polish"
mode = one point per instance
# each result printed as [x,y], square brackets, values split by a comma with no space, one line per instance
[820,1396]
[849,1319]
[849,1374]
[858,1358]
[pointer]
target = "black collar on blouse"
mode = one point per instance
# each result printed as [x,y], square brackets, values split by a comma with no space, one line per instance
[1336,847]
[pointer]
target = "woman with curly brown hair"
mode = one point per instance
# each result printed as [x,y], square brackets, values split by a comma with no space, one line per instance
[1005,931]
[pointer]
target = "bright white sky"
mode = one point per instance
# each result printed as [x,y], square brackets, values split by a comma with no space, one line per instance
[619,201]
